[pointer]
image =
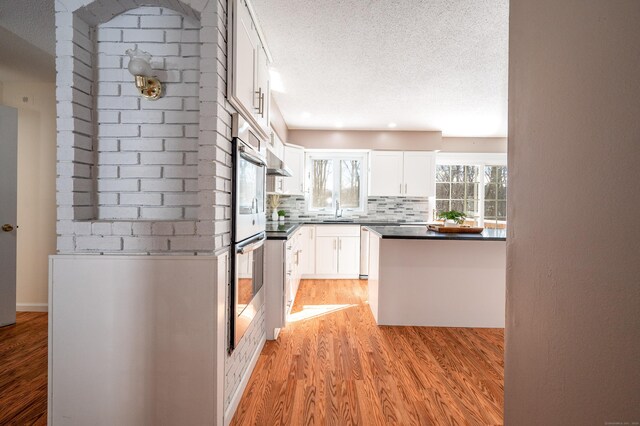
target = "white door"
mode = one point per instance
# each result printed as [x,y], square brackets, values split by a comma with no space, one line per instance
[294,159]
[349,256]
[326,255]
[8,199]
[386,173]
[419,175]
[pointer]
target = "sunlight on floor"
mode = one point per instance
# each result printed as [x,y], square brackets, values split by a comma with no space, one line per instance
[312,311]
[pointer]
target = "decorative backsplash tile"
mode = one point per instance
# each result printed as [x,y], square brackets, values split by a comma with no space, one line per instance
[409,209]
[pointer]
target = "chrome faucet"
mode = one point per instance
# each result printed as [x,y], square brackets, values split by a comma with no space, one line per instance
[338,209]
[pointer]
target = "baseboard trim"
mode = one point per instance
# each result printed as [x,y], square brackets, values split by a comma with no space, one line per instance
[32,307]
[235,401]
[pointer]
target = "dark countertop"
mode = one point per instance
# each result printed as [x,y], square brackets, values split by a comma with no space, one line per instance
[284,230]
[421,233]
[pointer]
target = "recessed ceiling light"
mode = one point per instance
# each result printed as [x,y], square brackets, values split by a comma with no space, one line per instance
[392,125]
[306,114]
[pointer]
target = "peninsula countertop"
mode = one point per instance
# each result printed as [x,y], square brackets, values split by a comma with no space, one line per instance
[420,232]
[284,230]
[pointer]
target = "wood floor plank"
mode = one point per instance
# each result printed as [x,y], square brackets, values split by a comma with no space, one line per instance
[23,370]
[337,367]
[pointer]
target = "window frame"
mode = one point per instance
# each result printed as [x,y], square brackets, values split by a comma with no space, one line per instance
[480,160]
[335,157]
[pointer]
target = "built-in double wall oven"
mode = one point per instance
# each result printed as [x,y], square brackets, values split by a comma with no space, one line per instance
[249,203]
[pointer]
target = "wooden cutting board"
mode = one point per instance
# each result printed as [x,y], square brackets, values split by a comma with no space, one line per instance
[455,229]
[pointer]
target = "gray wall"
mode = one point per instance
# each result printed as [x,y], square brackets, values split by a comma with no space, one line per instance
[573,263]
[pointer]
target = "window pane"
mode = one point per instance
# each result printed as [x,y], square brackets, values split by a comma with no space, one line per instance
[349,184]
[457,191]
[472,190]
[457,173]
[472,207]
[443,174]
[472,173]
[490,173]
[502,192]
[321,184]
[490,209]
[457,205]
[501,174]
[502,210]
[442,205]
[490,191]
[443,190]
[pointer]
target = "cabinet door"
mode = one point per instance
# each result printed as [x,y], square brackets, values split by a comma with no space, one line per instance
[386,173]
[294,159]
[419,175]
[262,89]
[326,255]
[245,60]
[310,246]
[349,255]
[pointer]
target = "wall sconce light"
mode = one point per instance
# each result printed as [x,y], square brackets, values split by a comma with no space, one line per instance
[148,85]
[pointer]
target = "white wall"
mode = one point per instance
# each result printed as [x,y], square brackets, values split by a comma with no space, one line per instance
[36,237]
[572,351]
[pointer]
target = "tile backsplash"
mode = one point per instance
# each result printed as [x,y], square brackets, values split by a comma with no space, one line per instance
[409,209]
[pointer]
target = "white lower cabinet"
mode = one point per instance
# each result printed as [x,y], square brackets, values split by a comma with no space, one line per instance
[327,255]
[349,256]
[337,252]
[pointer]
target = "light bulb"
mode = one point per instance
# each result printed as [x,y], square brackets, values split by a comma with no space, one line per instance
[139,63]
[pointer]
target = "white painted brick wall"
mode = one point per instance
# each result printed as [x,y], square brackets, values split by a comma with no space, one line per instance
[136,128]
[137,229]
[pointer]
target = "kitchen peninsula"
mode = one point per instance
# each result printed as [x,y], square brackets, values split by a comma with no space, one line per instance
[422,278]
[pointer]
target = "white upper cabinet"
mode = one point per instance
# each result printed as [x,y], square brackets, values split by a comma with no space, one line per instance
[262,87]
[397,173]
[248,75]
[294,159]
[419,174]
[386,173]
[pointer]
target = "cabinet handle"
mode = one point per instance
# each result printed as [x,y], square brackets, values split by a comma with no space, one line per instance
[301,188]
[334,244]
[405,188]
[340,244]
[260,106]
[401,188]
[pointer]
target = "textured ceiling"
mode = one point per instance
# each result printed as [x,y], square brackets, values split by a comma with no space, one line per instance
[362,64]
[27,40]
[32,20]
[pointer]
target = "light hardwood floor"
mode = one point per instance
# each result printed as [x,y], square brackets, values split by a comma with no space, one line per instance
[334,366]
[23,370]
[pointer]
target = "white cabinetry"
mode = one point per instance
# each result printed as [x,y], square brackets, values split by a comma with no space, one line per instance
[285,263]
[386,173]
[397,173]
[294,159]
[337,251]
[308,244]
[248,74]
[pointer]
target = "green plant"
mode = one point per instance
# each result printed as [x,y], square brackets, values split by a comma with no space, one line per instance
[453,215]
[281,213]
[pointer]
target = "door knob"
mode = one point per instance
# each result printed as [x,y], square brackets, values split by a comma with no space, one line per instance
[7,228]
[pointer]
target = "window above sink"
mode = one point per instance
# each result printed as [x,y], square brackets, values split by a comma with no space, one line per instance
[337,182]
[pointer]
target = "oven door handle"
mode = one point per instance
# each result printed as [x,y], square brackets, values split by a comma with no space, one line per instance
[252,246]
[250,156]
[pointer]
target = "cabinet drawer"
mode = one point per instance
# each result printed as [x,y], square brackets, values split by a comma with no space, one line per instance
[338,230]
